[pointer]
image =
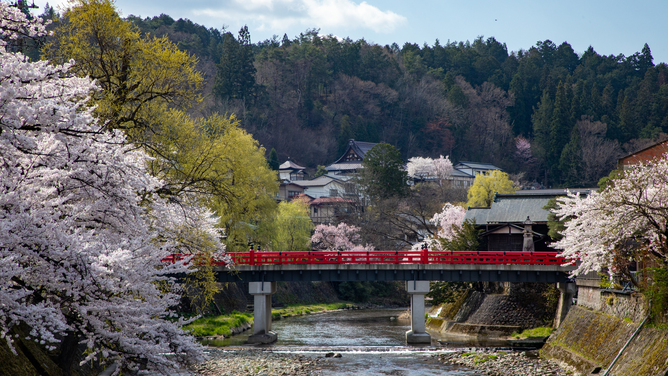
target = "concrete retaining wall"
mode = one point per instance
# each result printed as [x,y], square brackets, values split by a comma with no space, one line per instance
[588,339]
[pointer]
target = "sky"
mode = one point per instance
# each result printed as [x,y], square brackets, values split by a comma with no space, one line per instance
[611,27]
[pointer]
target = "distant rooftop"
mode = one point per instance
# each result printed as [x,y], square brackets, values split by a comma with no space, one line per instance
[320,181]
[515,207]
[476,166]
[287,165]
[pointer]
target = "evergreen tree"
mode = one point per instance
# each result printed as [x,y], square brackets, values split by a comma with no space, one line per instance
[235,78]
[383,175]
[541,119]
[560,129]
[273,160]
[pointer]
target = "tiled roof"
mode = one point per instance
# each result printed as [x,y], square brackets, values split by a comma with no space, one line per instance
[515,207]
[320,181]
[287,165]
[460,174]
[476,166]
[360,148]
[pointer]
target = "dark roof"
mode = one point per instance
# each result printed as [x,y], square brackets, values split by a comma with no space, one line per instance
[359,147]
[320,181]
[287,165]
[477,166]
[515,207]
[330,200]
[460,174]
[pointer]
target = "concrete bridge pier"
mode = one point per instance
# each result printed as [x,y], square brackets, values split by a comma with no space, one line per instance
[566,293]
[417,334]
[262,292]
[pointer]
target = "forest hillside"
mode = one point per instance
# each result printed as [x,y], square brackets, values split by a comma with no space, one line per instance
[548,113]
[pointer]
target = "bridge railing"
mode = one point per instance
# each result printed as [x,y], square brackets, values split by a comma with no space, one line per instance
[396,257]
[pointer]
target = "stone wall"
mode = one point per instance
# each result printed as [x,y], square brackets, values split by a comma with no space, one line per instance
[521,306]
[623,305]
[588,339]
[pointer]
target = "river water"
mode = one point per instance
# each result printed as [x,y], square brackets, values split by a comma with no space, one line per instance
[371,342]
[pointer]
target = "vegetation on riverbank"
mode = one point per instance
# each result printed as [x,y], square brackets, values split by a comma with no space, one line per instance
[306,309]
[225,324]
[543,331]
[218,325]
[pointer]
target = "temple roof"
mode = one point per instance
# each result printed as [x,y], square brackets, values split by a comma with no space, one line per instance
[290,165]
[515,207]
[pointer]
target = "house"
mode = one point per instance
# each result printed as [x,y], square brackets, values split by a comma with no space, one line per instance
[322,186]
[351,160]
[461,179]
[328,210]
[288,191]
[290,171]
[513,215]
[464,173]
[646,155]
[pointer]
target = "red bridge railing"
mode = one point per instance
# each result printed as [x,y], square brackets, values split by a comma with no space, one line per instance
[424,256]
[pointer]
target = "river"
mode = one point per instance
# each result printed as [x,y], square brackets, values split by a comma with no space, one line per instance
[371,342]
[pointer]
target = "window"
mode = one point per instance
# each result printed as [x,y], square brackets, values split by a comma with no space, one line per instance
[333,192]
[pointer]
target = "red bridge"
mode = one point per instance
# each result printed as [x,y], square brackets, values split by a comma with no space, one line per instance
[393,265]
[395,257]
[417,268]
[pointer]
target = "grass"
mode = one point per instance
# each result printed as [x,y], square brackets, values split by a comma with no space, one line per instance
[479,358]
[218,325]
[304,309]
[543,331]
[222,325]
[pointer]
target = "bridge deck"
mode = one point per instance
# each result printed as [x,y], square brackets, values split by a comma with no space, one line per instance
[393,272]
[471,266]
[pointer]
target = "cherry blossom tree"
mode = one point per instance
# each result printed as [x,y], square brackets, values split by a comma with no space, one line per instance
[342,237]
[82,229]
[448,221]
[423,168]
[628,218]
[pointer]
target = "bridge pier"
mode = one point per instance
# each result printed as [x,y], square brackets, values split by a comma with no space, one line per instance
[262,292]
[566,293]
[417,334]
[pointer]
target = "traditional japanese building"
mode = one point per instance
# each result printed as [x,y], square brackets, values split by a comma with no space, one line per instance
[291,171]
[351,160]
[644,156]
[514,216]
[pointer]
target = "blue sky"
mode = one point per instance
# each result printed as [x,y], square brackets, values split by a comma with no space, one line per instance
[610,26]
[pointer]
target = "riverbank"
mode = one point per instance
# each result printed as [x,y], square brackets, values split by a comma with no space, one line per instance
[506,363]
[243,362]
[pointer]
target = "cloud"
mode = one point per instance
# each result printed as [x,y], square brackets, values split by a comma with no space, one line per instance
[277,15]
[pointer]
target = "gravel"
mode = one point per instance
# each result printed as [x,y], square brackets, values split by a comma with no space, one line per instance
[256,362]
[262,362]
[506,363]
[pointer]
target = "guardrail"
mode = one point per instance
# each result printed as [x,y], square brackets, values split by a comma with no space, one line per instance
[424,256]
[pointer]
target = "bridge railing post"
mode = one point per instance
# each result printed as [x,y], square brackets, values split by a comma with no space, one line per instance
[251,255]
[425,256]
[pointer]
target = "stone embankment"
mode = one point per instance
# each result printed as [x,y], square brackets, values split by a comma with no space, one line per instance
[506,363]
[590,341]
[242,362]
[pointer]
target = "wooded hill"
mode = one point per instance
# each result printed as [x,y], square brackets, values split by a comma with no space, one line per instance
[560,117]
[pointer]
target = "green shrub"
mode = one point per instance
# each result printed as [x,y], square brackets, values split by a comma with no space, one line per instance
[657,295]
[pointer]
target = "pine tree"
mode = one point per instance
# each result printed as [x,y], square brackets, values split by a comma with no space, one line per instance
[273,160]
[235,78]
[560,129]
